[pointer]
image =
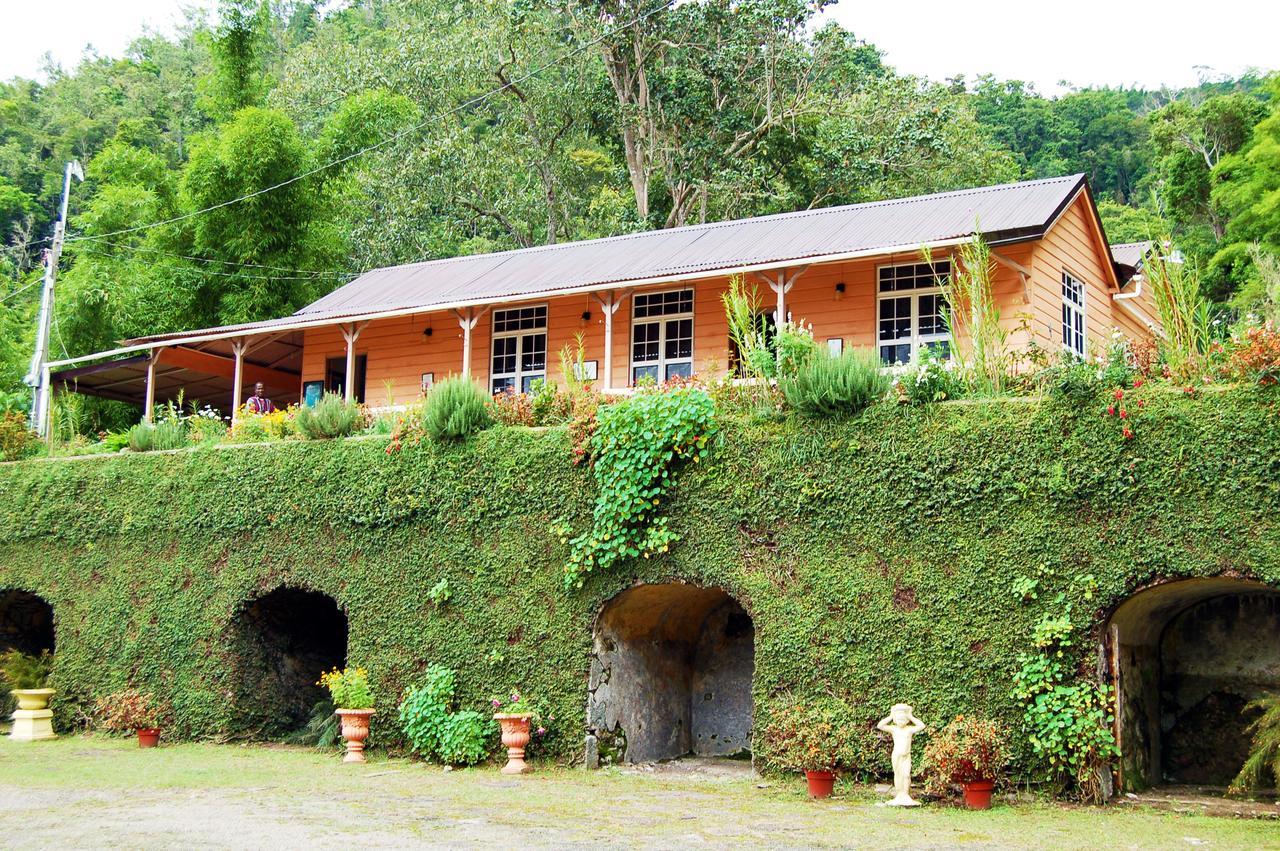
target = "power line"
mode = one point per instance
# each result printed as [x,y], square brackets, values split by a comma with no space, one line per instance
[301,272]
[308,277]
[393,137]
[18,292]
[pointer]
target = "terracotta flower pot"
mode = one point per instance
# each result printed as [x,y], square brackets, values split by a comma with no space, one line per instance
[355,729]
[148,737]
[821,783]
[977,794]
[515,737]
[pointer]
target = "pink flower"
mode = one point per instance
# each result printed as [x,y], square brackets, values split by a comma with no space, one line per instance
[1111,410]
[542,731]
[1119,394]
[496,703]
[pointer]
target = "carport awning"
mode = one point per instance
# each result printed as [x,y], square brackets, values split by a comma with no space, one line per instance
[202,373]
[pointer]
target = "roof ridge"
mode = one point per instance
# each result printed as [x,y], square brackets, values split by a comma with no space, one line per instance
[709,226]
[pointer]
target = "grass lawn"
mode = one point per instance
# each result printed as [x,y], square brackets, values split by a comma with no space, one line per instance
[95,792]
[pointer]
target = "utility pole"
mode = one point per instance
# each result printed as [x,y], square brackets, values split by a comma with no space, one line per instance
[38,376]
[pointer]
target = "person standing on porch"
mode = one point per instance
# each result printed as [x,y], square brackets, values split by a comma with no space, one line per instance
[258,403]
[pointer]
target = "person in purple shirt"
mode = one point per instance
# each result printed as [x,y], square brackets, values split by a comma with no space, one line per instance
[258,403]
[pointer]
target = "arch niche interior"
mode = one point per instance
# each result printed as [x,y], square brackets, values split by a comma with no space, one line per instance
[283,641]
[1186,656]
[26,622]
[670,676]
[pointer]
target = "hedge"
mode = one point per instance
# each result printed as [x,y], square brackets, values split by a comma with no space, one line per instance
[878,556]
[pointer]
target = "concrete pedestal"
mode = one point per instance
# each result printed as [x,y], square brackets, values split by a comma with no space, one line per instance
[32,725]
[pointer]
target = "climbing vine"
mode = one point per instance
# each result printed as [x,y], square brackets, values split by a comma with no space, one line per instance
[637,448]
[937,536]
[1068,719]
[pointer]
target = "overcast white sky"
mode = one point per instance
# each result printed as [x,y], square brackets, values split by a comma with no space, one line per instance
[1085,42]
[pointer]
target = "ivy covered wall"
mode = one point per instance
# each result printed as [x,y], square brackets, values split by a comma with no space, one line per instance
[903,555]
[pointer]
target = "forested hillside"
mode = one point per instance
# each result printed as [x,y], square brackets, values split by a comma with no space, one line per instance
[400,130]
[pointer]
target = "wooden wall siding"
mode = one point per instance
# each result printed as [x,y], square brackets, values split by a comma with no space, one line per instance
[1072,245]
[399,352]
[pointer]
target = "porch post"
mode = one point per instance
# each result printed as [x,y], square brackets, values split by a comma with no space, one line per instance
[237,389]
[782,286]
[467,321]
[149,405]
[609,304]
[349,333]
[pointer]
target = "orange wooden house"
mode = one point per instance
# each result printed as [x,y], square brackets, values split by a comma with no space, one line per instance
[648,304]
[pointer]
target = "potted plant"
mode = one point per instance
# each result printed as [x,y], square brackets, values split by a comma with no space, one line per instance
[970,752]
[132,711]
[813,737]
[27,676]
[516,723]
[351,694]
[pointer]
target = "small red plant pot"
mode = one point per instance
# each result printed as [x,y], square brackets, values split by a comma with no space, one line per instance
[977,795]
[148,738]
[820,783]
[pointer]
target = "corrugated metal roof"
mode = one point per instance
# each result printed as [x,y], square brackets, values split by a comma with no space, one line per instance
[1018,210]
[1130,253]
[1004,213]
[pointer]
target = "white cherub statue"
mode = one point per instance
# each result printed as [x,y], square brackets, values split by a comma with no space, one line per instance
[902,724]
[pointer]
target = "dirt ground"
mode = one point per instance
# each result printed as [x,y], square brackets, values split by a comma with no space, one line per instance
[93,792]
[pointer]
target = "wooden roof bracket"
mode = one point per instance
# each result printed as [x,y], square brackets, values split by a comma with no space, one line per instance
[1023,272]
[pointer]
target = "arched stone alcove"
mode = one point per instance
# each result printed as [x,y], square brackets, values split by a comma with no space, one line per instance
[1186,657]
[26,622]
[281,642]
[670,675]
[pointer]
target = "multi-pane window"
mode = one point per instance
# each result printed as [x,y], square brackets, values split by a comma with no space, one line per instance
[1072,315]
[519,348]
[909,311]
[662,335]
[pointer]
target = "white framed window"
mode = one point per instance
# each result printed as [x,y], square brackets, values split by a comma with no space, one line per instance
[909,311]
[662,335]
[1073,337]
[519,348]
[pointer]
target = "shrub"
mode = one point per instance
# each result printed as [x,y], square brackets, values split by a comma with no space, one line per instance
[966,750]
[929,379]
[130,710]
[332,416]
[836,385]
[1264,755]
[260,428]
[435,732]
[169,433]
[1255,355]
[25,670]
[16,440]
[811,735]
[349,688]
[456,408]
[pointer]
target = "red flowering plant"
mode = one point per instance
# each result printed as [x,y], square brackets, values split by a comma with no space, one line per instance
[966,750]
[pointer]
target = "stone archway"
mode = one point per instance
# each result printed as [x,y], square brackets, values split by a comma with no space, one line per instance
[26,622]
[1186,656]
[670,676]
[282,641]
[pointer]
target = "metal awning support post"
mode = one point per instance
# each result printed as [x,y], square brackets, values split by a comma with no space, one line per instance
[351,333]
[467,320]
[149,405]
[609,304]
[237,387]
